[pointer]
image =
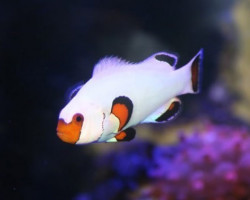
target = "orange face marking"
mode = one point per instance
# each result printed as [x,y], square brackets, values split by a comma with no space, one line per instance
[122,113]
[70,132]
[121,135]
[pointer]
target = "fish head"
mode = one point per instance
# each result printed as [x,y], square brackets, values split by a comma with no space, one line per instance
[80,123]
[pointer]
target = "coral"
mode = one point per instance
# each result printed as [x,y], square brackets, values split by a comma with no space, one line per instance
[208,165]
[213,163]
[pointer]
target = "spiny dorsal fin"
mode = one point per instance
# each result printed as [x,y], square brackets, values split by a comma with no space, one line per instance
[108,63]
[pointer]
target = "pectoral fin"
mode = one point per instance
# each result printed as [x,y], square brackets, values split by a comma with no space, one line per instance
[167,112]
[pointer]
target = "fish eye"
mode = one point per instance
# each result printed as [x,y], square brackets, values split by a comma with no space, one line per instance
[79,118]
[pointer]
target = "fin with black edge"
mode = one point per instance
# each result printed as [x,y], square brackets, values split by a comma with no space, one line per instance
[165,113]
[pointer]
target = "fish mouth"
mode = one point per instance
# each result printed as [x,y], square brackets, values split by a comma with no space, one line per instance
[69,133]
[65,138]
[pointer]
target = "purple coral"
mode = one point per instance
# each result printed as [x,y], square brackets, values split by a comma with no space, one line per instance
[211,164]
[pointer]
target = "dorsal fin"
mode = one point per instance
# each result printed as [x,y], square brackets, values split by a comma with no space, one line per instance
[108,63]
[171,59]
[114,63]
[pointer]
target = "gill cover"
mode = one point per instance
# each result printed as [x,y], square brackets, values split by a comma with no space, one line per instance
[96,124]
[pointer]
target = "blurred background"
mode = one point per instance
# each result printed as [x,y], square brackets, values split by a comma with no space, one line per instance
[46,47]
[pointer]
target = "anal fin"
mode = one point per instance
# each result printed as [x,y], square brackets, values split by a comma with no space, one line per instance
[165,113]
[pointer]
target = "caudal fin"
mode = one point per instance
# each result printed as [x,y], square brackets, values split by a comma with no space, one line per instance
[196,64]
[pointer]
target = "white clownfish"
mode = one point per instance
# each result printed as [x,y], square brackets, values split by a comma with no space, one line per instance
[121,95]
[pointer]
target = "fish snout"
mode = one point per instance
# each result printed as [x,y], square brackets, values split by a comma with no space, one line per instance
[70,132]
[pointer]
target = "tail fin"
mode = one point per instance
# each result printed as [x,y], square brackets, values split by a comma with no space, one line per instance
[190,75]
[196,66]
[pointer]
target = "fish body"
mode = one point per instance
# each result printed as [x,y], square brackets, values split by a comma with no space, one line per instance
[121,95]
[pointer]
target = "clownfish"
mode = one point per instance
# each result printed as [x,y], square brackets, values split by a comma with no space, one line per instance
[121,94]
